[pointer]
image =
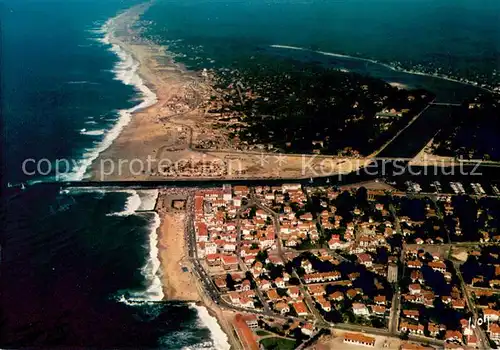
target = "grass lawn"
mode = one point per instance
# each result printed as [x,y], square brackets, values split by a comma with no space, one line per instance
[278,344]
[262,333]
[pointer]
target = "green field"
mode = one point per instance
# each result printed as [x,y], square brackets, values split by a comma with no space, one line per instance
[278,343]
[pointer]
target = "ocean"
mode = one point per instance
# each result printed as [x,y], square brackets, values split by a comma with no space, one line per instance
[79,268]
[459,38]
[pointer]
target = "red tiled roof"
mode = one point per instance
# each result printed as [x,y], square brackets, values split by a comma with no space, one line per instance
[359,338]
[300,307]
[229,259]
[245,334]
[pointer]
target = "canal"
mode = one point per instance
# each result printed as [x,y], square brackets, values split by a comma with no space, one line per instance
[411,141]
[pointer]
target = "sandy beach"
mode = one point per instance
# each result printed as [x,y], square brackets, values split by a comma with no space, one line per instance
[177,284]
[161,137]
[183,285]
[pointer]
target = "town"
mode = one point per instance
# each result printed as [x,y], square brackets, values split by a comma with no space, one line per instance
[304,265]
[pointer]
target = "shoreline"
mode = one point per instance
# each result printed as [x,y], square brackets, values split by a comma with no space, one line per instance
[177,278]
[170,244]
[165,129]
[387,65]
[176,283]
[126,70]
[168,126]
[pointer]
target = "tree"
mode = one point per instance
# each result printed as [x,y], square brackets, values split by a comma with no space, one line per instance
[230,282]
[282,292]
[262,256]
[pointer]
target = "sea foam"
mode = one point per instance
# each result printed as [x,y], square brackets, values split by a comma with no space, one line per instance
[217,335]
[132,204]
[126,70]
[92,132]
[151,269]
[151,272]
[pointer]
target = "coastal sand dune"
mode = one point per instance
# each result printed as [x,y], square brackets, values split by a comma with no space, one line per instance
[173,119]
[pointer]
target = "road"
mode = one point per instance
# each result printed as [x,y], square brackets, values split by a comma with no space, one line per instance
[213,293]
[470,304]
[322,231]
[374,154]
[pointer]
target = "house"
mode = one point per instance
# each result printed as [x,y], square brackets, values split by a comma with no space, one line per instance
[282,307]
[412,346]
[359,339]
[213,259]
[272,295]
[337,296]
[414,314]
[246,302]
[202,232]
[245,334]
[279,282]
[453,336]
[261,214]
[378,310]
[471,341]
[264,284]
[322,276]
[380,300]
[415,264]
[290,187]
[360,309]
[325,304]
[491,315]
[307,329]
[437,266]
[412,328]
[246,286]
[241,190]
[210,248]
[316,290]
[229,262]
[433,329]
[251,321]
[294,292]
[416,275]
[351,293]
[494,330]
[300,308]
[258,267]
[234,297]
[365,259]
[458,304]
[415,288]
[220,282]
[306,265]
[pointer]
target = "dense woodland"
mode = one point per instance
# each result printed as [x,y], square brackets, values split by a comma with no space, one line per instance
[307,108]
[473,132]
